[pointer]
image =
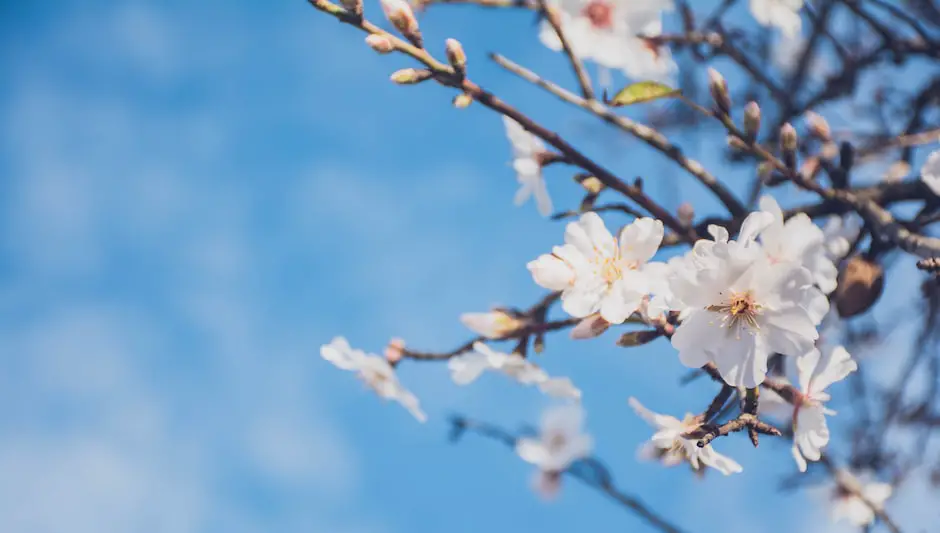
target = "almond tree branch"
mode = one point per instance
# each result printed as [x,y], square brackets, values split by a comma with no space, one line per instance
[646,134]
[590,471]
[445,75]
[551,15]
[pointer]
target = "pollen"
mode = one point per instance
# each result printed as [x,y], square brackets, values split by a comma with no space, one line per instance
[739,309]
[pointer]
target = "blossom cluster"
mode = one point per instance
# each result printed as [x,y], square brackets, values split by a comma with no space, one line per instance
[729,304]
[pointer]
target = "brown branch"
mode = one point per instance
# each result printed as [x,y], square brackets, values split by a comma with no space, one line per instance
[551,15]
[445,75]
[645,133]
[590,471]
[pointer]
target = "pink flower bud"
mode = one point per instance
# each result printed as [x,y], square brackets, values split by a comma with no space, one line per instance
[401,16]
[380,43]
[590,327]
[456,55]
[395,350]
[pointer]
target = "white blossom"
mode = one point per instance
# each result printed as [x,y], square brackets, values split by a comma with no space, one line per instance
[598,273]
[527,150]
[847,505]
[495,324]
[743,306]
[606,32]
[930,172]
[798,240]
[560,441]
[467,367]
[375,371]
[784,14]
[815,371]
[672,448]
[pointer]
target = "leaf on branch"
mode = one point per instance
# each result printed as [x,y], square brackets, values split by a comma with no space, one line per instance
[643,91]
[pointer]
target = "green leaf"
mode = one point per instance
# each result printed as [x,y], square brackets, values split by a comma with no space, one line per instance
[643,91]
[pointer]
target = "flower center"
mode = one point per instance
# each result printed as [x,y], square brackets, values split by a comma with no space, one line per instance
[611,270]
[556,442]
[740,308]
[600,13]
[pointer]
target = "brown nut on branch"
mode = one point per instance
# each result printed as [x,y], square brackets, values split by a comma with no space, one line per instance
[861,283]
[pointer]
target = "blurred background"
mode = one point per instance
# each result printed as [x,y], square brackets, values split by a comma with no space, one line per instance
[196,195]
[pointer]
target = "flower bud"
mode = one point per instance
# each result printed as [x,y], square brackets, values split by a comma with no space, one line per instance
[401,16]
[718,86]
[495,324]
[591,184]
[394,351]
[788,144]
[751,121]
[462,100]
[590,327]
[686,213]
[638,338]
[353,6]
[456,56]
[737,143]
[380,43]
[818,126]
[410,76]
[860,285]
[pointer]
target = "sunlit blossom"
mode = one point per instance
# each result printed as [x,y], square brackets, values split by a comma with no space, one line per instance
[374,371]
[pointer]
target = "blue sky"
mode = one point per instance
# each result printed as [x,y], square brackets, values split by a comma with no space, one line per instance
[196,196]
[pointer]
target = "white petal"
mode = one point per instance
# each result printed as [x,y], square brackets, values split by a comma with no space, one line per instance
[466,368]
[655,420]
[753,225]
[692,338]
[543,201]
[560,388]
[551,272]
[722,463]
[789,331]
[742,361]
[531,451]
[341,354]
[835,364]
[640,240]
